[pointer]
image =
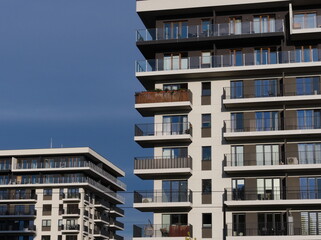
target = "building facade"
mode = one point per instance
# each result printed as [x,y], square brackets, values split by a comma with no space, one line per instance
[234,90]
[59,194]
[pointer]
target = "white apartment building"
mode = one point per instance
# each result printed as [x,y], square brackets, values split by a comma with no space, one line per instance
[59,194]
[234,90]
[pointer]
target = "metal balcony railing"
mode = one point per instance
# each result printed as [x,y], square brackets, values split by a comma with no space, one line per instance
[163,196]
[207,31]
[8,227]
[162,230]
[16,196]
[163,129]
[23,210]
[272,158]
[228,60]
[162,162]
[163,96]
[70,227]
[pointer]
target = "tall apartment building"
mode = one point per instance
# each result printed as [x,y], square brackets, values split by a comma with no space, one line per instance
[234,89]
[59,194]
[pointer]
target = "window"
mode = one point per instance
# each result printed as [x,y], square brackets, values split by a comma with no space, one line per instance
[239,225]
[73,192]
[173,87]
[206,120]
[309,119]
[45,237]
[311,223]
[238,189]
[206,89]
[175,191]
[180,152]
[237,122]
[71,237]
[267,155]
[268,189]
[304,20]
[173,125]
[267,121]
[206,59]
[175,30]
[206,153]
[47,192]
[235,25]
[264,24]
[309,153]
[271,224]
[306,54]
[46,223]
[206,186]
[59,222]
[265,56]
[310,188]
[308,85]
[206,27]
[237,158]
[207,220]
[266,88]
[236,57]
[175,61]
[237,89]
[46,209]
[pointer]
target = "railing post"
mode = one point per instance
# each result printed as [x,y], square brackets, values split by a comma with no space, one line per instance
[156,34]
[146,34]
[146,66]
[187,28]
[243,59]
[197,31]
[289,56]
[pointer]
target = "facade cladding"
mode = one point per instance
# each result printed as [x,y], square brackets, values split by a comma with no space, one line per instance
[59,194]
[234,88]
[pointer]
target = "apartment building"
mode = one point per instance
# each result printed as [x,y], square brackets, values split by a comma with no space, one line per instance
[234,91]
[59,194]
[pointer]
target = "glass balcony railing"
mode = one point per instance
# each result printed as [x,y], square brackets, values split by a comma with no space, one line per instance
[162,230]
[272,158]
[228,60]
[306,21]
[163,129]
[163,96]
[67,164]
[162,163]
[210,30]
[272,124]
[163,196]
[16,196]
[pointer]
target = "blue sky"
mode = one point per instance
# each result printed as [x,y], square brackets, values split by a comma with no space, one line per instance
[67,73]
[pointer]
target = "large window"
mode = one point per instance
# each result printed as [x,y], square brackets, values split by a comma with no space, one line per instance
[266,88]
[206,89]
[307,85]
[267,121]
[238,189]
[235,25]
[306,54]
[305,20]
[239,225]
[175,61]
[267,154]
[265,56]
[175,191]
[310,188]
[173,87]
[236,58]
[206,27]
[264,24]
[206,186]
[237,122]
[206,153]
[175,30]
[237,158]
[173,125]
[180,152]
[268,188]
[309,153]
[271,224]
[206,120]
[311,223]
[207,220]
[309,119]
[236,89]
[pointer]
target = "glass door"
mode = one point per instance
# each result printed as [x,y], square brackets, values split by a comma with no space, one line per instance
[236,25]
[237,156]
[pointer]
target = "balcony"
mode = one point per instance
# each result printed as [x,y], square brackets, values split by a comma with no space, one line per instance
[101,233]
[147,201]
[99,203]
[118,212]
[151,231]
[70,228]
[18,197]
[163,167]
[287,197]
[271,128]
[16,229]
[12,212]
[153,102]
[116,224]
[150,134]
[61,165]
[252,162]
[269,95]
[220,31]
[239,64]
[71,197]
[71,213]
[99,217]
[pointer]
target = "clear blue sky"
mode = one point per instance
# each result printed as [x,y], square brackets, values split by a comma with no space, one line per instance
[67,73]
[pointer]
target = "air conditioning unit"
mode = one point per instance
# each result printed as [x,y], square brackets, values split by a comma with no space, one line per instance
[146,200]
[292,160]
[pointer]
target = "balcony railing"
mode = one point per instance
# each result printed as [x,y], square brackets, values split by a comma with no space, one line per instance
[67,164]
[117,223]
[163,196]
[312,23]
[212,30]
[17,212]
[70,227]
[163,162]
[272,158]
[162,230]
[17,196]
[118,210]
[163,129]
[222,61]
[102,232]
[269,194]
[267,229]
[272,124]
[99,216]
[15,227]
[163,96]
